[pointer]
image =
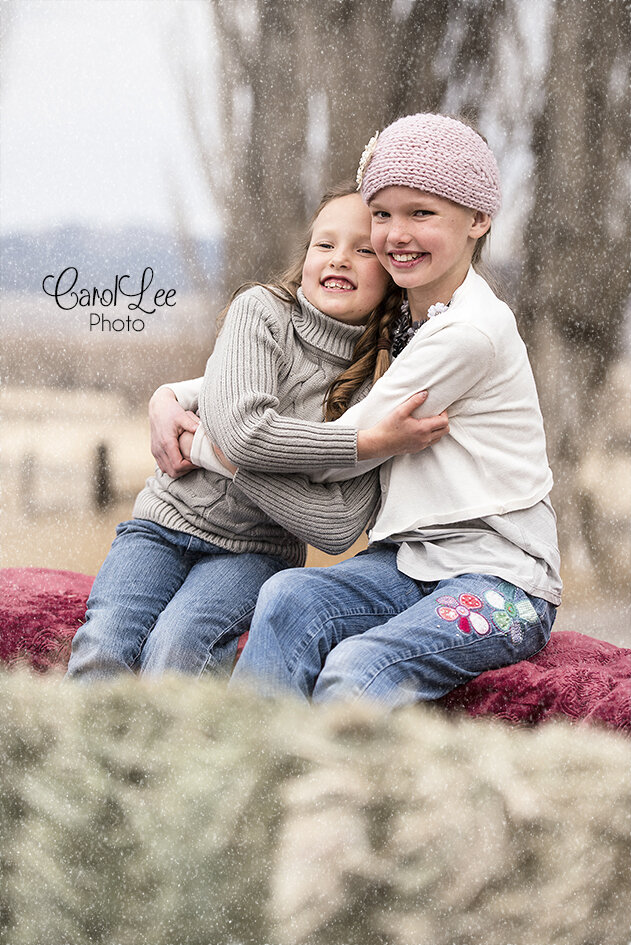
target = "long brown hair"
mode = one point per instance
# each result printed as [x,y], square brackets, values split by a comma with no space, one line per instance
[371,357]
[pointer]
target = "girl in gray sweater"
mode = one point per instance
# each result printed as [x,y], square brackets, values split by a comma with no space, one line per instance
[181,580]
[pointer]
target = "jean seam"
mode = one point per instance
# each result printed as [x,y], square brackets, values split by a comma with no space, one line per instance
[209,657]
[306,642]
[445,649]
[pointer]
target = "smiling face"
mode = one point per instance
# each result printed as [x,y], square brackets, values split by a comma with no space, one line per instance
[341,274]
[425,242]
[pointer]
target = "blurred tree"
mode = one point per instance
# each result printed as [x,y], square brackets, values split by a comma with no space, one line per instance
[305,85]
[7,25]
[577,271]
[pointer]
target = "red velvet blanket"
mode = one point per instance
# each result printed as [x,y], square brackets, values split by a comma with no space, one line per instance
[575,676]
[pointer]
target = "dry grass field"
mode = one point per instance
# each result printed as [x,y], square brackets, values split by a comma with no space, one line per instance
[50,516]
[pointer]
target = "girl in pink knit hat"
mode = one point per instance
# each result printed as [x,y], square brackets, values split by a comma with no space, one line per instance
[462,571]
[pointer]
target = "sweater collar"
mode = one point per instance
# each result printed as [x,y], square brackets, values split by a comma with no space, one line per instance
[323,332]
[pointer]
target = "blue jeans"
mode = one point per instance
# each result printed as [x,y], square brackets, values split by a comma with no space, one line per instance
[165,600]
[362,629]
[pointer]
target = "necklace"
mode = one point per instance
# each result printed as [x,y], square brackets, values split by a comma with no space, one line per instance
[404,328]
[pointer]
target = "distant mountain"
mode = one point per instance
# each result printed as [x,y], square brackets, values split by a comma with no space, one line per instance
[100,255]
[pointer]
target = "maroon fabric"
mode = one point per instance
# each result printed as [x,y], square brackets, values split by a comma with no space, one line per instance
[243,639]
[40,611]
[575,676]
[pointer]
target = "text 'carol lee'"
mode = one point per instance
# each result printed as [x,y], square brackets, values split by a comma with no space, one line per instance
[67,280]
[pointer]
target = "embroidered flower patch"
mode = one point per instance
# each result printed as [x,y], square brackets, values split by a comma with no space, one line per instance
[510,615]
[464,611]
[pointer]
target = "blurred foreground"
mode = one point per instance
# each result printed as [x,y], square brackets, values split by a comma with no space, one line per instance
[173,813]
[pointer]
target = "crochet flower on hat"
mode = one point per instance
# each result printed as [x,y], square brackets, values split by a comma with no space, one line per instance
[367,153]
[510,615]
[464,611]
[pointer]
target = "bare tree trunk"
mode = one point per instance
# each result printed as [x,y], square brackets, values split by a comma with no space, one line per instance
[374,65]
[264,117]
[304,85]
[577,278]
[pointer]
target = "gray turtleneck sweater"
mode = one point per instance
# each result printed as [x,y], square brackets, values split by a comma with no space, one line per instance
[261,402]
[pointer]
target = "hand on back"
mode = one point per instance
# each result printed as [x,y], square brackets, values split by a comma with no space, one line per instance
[168,421]
[401,432]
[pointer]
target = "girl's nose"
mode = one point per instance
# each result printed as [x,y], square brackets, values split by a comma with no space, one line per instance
[340,259]
[398,232]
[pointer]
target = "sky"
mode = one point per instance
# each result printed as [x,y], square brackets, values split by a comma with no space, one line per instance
[91,120]
[93,130]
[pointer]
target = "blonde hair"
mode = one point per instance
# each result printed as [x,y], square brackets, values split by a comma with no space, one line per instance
[371,356]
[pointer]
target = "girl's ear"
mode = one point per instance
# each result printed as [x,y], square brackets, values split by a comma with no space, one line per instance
[481,224]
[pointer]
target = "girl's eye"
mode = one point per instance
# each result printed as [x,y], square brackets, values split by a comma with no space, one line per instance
[324,244]
[380,215]
[367,250]
[423,213]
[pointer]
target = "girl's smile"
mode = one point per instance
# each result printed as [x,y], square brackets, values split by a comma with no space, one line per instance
[340,283]
[425,242]
[406,260]
[341,274]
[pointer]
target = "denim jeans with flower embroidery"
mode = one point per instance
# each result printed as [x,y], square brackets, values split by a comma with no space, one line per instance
[363,629]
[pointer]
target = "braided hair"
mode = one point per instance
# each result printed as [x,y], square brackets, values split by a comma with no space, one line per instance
[371,357]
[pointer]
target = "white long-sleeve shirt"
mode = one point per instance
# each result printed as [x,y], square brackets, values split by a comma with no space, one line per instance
[477,501]
[474,364]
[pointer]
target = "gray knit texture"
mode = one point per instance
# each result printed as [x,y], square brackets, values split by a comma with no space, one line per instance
[261,402]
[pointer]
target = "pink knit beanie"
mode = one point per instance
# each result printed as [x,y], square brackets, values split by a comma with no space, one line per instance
[436,154]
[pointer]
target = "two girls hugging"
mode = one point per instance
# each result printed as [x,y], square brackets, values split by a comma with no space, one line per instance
[386,321]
